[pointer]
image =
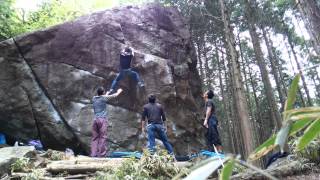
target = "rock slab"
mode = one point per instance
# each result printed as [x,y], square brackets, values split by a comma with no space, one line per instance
[9,155]
[48,78]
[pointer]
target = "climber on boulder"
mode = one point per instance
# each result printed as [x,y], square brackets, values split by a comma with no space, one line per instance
[99,127]
[126,57]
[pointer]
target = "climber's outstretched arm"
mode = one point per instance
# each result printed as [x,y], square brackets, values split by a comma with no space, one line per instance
[108,97]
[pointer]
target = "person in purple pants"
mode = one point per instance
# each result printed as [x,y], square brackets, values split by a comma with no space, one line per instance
[99,127]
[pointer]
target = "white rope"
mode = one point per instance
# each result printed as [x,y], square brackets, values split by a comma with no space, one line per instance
[215,149]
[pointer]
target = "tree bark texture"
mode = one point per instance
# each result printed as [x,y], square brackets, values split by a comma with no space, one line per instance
[274,113]
[239,95]
[311,13]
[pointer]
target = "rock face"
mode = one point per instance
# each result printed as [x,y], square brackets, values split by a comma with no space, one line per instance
[8,155]
[49,77]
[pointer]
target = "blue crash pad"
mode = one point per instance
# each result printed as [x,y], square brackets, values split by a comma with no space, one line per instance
[2,139]
[125,154]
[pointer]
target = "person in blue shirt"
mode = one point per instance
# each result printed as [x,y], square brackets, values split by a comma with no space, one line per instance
[126,57]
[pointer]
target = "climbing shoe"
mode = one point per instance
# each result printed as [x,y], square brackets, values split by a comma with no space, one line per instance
[141,84]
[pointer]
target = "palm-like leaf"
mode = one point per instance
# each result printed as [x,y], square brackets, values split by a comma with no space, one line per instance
[263,149]
[227,170]
[282,135]
[310,133]
[203,171]
[292,93]
[298,125]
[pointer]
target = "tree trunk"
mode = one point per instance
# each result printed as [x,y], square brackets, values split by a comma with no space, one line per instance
[198,43]
[207,72]
[311,13]
[274,67]
[237,132]
[275,115]
[318,78]
[224,100]
[239,95]
[293,69]
[256,100]
[279,68]
[256,133]
[316,85]
[300,71]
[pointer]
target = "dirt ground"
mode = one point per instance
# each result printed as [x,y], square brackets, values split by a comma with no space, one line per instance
[310,176]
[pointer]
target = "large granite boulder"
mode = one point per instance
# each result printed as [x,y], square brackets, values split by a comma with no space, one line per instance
[49,77]
[8,155]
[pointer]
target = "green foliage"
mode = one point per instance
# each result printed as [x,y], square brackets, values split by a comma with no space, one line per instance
[35,174]
[263,149]
[55,12]
[204,169]
[295,120]
[227,170]
[55,155]
[157,166]
[282,135]
[20,165]
[130,2]
[301,111]
[269,144]
[298,125]
[51,12]
[309,134]
[9,21]
[311,151]
[238,168]
[284,4]
[292,93]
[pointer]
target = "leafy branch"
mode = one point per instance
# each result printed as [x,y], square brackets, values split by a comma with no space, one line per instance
[294,120]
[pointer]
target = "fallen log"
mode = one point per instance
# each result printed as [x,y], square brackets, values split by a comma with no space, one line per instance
[18,175]
[87,160]
[78,176]
[5,177]
[83,165]
[86,165]
[76,168]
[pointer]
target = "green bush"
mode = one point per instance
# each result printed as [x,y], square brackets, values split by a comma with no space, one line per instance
[20,165]
[36,174]
[157,166]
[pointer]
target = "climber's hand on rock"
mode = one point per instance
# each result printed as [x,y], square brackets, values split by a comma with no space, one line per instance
[205,123]
[138,66]
[119,91]
[144,133]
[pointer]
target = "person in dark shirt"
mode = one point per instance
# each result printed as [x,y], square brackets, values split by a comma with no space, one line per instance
[156,124]
[211,123]
[126,57]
